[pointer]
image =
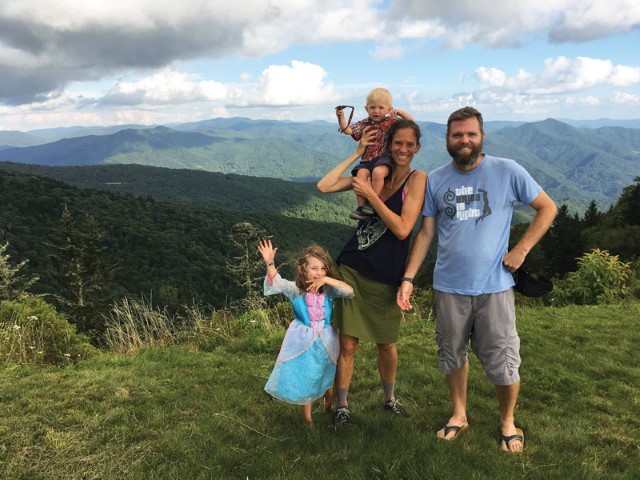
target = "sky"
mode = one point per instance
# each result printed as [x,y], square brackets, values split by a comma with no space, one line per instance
[156,62]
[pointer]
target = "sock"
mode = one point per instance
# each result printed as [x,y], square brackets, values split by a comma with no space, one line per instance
[388,391]
[341,397]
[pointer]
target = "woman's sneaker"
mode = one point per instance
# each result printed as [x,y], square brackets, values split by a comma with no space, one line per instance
[395,407]
[342,416]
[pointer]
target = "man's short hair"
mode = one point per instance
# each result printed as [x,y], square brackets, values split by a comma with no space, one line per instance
[463,114]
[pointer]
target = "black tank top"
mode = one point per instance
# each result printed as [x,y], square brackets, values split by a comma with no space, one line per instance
[374,251]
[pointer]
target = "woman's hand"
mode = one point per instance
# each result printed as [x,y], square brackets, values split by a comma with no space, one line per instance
[403,297]
[335,180]
[368,134]
[363,188]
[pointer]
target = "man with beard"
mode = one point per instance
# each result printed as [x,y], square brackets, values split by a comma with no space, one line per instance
[470,202]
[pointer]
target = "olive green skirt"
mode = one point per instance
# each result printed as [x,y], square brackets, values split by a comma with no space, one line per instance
[372,314]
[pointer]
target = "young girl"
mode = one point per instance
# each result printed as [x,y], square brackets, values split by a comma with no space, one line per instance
[306,365]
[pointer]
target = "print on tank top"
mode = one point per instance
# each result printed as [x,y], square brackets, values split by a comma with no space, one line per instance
[369,232]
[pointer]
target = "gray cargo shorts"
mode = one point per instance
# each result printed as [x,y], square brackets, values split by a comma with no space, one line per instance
[489,321]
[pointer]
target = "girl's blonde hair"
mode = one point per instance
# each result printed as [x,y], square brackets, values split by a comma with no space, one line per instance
[301,267]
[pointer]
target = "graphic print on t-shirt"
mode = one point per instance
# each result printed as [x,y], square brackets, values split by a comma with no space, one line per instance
[464,203]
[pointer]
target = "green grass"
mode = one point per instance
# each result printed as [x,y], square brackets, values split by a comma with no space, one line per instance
[178,413]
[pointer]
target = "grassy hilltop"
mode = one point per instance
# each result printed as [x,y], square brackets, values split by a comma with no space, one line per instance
[197,409]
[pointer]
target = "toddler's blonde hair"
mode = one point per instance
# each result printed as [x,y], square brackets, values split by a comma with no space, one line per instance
[377,93]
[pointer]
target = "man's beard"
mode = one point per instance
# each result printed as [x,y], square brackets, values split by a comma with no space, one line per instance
[466,159]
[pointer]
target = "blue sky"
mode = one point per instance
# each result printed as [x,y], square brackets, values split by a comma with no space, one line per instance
[162,61]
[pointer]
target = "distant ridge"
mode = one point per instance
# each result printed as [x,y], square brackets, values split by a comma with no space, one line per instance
[575,165]
[603,122]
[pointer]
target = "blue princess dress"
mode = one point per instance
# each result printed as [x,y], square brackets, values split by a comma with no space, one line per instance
[306,365]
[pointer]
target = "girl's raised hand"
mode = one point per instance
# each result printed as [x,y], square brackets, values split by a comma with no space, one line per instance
[267,251]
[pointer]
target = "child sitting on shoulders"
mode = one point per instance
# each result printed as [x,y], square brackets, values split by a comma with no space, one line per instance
[376,162]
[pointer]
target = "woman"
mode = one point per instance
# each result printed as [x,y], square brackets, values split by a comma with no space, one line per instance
[373,261]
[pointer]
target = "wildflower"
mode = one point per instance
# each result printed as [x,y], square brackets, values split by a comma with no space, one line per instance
[67,355]
[16,326]
[32,317]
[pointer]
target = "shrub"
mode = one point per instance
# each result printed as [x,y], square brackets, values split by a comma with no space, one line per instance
[31,331]
[601,278]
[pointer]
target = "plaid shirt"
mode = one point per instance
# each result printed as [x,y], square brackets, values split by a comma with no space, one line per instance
[379,145]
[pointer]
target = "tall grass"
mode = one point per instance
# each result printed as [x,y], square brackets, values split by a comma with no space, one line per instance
[136,324]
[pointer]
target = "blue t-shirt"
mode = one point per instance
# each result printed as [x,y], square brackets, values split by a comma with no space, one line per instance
[473,211]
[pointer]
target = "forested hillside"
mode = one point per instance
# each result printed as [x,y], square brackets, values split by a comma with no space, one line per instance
[210,189]
[177,253]
[571,162]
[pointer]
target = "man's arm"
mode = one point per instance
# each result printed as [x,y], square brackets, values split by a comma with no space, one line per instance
[418,252]
[545,213]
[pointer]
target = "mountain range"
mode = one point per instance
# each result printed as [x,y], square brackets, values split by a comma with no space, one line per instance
[575,165]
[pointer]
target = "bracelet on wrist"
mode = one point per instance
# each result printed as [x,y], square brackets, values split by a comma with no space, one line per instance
[271,264]
[271,277]
[407,279]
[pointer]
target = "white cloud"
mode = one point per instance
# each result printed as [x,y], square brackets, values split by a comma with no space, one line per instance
[587,20]
[48,47]
[46,44]
[165,87]
[623,75]
[499,23]
[589,100]
[491,76]
[171,96]
[561,75]
[298,84]
[564,74]
[578,84]
[626,98]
